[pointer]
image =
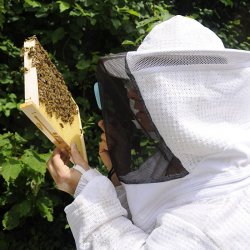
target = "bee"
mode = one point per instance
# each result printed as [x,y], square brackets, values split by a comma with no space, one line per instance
[22,52]
[31,52]
[24,70]
[71,119]
[53,91]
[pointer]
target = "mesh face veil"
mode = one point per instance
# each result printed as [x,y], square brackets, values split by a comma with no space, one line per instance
[181,95]
[135,146]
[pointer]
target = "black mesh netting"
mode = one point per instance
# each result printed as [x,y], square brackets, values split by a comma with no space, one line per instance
[137,151]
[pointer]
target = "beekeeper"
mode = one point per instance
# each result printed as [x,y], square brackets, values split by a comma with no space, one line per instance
[197,93]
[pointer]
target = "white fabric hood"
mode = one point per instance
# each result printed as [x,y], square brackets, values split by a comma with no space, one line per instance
[198,99]
[198,95]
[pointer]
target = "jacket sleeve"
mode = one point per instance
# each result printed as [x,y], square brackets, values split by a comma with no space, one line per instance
[98,221]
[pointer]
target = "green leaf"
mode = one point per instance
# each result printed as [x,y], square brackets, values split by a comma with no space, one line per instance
[19,139]
[9,48]
[3,48]
[93,21]
[57,35]
[12,217]
[83,64]
[116,23]
[236,22]
[32,3]
[133,12]
[10,169]
[10,105]
[34,161]
[7,113]
[6,80]
[10,221]
[126,9]
[45,157]
[146,22]
[63,5]
[4,139]
[45,206]
[79,11]
[128,42]
[227,2]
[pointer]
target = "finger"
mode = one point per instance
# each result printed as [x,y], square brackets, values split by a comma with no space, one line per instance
[103,146]
[56,165]
[77,158]
[56,161]
[101,125]
[51,170]
[56,151]
[106,159]
[103,137]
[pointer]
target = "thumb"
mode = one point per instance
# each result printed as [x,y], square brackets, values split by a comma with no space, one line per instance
[77,158]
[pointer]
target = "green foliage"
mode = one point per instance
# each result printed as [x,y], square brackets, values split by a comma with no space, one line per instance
[11,219]
[75,33]
[227,2]
[10,169]
[23,169]
[8,103]
[2,12]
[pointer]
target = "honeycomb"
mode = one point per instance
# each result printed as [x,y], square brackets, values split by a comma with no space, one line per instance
[52,89]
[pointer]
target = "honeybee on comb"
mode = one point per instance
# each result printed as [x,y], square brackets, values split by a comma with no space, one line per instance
[48,102]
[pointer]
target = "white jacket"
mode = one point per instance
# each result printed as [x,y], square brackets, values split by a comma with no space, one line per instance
[197,93]
[99,221]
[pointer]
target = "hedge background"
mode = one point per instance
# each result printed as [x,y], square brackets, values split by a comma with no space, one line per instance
[75,33]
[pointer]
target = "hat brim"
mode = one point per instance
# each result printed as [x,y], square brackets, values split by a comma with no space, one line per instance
[116,64]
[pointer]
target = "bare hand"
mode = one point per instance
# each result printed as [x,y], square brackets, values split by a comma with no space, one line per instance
[66,178]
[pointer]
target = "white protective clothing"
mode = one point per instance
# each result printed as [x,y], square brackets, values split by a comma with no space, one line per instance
[198,95]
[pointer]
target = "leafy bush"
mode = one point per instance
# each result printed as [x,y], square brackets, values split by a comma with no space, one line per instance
[75,33]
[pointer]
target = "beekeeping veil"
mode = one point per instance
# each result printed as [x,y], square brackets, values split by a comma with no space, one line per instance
[193,96]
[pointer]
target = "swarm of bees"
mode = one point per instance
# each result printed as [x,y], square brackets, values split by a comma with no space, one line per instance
[53,92]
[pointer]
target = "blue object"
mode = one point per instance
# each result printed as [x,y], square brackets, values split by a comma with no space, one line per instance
[97,95]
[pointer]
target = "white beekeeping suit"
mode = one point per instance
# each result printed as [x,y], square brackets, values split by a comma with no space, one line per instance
[198,95]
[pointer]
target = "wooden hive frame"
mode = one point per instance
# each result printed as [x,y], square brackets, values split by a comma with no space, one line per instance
[59,132]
